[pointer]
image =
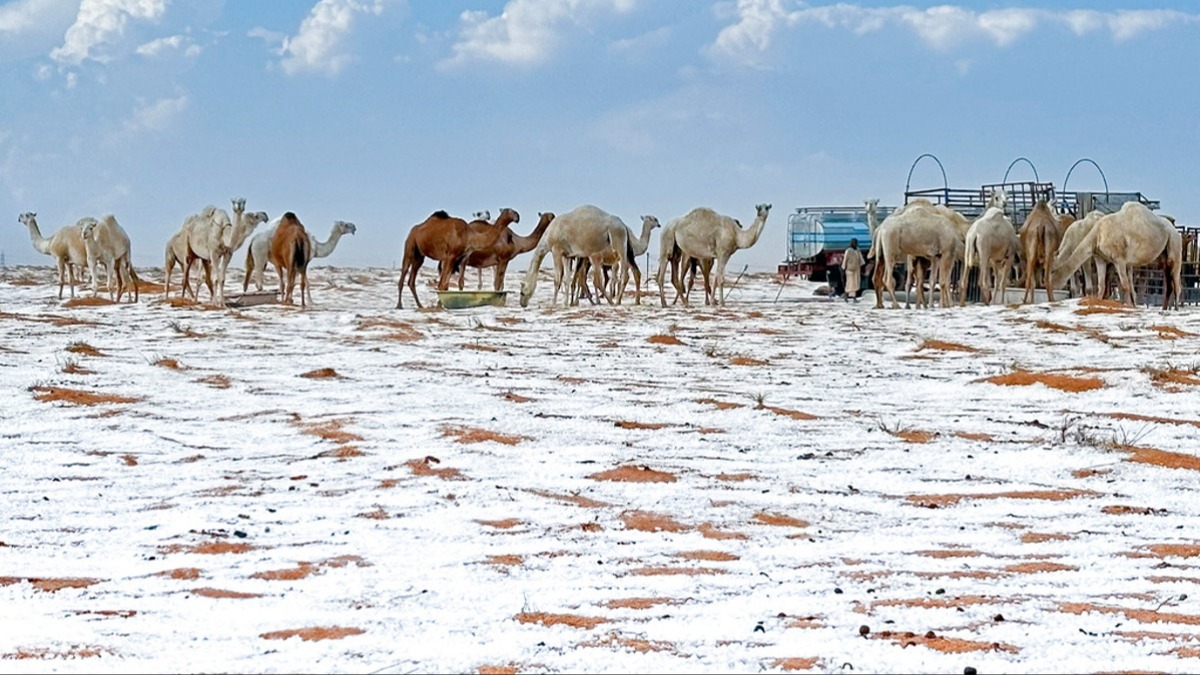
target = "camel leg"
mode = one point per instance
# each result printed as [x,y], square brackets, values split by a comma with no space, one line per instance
[598,279]
[985,277]
[498,279]
[660,276]
[1100,288]
[1030,278]
[945,275]
[877,281]
[1050,255]
[417,262]
[889,279]
[558,279]
[1126,285]
[677,274]
[222,266]
[187,269]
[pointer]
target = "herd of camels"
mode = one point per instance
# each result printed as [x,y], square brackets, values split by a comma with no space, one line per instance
[588,240]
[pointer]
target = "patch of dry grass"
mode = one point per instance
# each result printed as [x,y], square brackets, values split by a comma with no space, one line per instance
[78,397]
[942,345]
[322,374]
[634,474]
[1024,378]
[313,634]
[469,435]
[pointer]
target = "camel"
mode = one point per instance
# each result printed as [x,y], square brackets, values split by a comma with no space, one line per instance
[176,254]
[481,230]
[507,246]
[1094,275]
[1134,236]
[992,243]
[291,248]
[213,237]
[704,234]
[440,237]
[65,246]
[1040,234]
[638,245]
[920,229]
[585,232]
[107,243]
[260,247]
[669,251]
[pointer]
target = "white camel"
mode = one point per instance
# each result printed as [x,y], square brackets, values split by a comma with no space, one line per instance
[107,243]
[213,237]
[65,246]
[638,245]
[1094,274]
[1132,237]
[259,249]
[585,232]
[920,229]
[705,235]
[992,244]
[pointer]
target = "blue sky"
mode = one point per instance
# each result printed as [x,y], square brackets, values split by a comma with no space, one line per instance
[382,111]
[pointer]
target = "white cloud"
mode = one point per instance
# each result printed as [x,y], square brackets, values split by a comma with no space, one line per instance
[319,46]
[526,32]
[100,24]
[942,27]
[157,116]
[21,16]
[174,43]
[757,23]
[1126,25]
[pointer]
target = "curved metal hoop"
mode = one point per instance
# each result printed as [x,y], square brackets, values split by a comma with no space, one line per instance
[1036,179]
[908,181]
[1089,161]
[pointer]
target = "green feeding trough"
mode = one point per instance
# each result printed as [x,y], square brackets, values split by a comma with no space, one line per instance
[467,299]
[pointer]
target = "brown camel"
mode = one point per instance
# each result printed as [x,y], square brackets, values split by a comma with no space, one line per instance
[1040,235]
[443,238]
[495,244]
[291,248]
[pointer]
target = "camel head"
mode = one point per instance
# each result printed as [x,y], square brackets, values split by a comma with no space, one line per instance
[508,215]
[650,222]
[28,218]
[527,289]
[88,228]
[545,218]
[344,227]
[998,198]
[482,215]
[762,210]
[253,220]
[239,204]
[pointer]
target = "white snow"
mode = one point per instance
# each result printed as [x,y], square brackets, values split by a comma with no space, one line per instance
[107,499]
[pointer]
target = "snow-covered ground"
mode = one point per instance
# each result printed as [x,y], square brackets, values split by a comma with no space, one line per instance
[787,483]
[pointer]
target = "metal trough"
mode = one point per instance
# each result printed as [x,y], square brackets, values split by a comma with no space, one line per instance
[467,299]
[252,299]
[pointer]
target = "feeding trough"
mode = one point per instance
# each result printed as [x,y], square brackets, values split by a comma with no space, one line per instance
[252,299]
[466,299]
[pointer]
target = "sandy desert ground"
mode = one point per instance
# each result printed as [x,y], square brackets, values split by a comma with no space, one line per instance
[788,483]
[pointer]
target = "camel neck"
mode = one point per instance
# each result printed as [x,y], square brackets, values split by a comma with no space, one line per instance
[40,243]
[324,248]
